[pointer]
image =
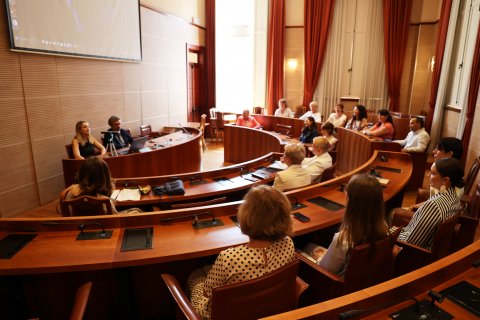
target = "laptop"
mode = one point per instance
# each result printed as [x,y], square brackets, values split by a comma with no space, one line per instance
[137,145]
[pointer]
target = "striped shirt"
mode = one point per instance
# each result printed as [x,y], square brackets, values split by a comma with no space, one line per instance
[420,231]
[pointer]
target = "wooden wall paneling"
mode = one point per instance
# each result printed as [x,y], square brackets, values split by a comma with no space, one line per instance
[18,199]
[47,156]
[45,117]
[50,188]
[39,75]
[353,150]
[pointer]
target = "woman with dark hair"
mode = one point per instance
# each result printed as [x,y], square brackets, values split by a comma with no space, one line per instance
[363,223]
[448,147]
[264,216]
[84,144]
[445,175]
[383,129]
[358,121]
[309,130]
[327,133]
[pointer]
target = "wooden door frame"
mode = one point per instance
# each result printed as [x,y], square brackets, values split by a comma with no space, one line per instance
[202,86]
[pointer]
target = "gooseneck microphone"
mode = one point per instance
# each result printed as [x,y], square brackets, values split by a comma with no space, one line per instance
[184,130]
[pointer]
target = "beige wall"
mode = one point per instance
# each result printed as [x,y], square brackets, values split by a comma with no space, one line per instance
[184,9]
[43,96]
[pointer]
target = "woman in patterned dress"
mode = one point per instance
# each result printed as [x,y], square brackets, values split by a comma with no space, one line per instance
[264,216]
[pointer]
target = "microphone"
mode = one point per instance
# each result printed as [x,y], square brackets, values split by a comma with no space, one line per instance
[104,234]
[184,130]
[353,313]
[107,132]
[83,225]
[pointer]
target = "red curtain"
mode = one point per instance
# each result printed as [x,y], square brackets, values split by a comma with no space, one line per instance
[275,53]
[317,17]
[441,40]
[210,51]
[396,19]
[472,96]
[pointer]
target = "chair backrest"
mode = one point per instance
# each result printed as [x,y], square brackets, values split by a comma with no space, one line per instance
[203,120]
[367,268]
[472,176]
[145,130]
[464,233]
[263,296]
[213,113]
[69,149]
[284,128]
[442,241]
[300,111]
[258,110]
[80,302]
[85,206]
[328,173]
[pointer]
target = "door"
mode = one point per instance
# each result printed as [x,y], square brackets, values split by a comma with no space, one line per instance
[197,102]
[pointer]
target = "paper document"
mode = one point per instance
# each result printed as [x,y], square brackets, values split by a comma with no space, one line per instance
[278,165]
[128,194]
[383,181]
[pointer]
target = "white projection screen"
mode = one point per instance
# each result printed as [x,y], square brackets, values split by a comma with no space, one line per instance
[103,29]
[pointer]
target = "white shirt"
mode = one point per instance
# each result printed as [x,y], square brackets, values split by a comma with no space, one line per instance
[293,177]
[316,165]
[287,113]
[337,121]
[317,116]
[333,142]
[415,141]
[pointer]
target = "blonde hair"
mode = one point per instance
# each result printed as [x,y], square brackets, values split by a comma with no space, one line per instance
[78,133]
[265,214]
[321,143]
[295,152]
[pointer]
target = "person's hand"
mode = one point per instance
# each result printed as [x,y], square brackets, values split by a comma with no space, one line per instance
[318,252]
[403,150]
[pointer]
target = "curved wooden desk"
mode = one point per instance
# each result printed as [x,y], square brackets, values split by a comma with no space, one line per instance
[184,155]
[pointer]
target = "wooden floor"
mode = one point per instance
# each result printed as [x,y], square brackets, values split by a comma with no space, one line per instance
[211,159]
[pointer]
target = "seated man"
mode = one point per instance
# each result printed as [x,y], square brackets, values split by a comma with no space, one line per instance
[417,139]
[313,112]
[246,120]
[321,159]
[120,140]
[294,176]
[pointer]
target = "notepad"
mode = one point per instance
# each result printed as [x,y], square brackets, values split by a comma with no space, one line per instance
[279,165]
[126,195]
[383,181]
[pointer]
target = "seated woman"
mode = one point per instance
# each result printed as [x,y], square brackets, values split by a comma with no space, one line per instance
[309,130]
[321,159]
[359,120]
[327,133]
[93,180]
[246,120]
[363,222]
[294,176]
[338,118]
[445,175]
[283,110]
[264,216]
[84,144]
[383,129]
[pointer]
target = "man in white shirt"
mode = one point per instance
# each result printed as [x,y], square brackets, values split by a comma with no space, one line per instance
[283,110]
[417,139]
[294,176]
[313,112]
[320,161]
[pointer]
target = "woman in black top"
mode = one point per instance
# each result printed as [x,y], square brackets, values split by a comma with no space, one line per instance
[309,131]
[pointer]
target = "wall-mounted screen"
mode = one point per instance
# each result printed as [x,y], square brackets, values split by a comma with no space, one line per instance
[104,29]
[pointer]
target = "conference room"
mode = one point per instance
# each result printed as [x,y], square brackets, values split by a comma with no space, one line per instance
[217,58]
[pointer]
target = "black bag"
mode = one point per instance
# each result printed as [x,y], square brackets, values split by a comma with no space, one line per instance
[172,188]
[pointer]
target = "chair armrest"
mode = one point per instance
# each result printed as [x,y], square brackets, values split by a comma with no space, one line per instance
[323,285]
[410,257]
[300,287]
[180,298]
[422,195]
[401,217]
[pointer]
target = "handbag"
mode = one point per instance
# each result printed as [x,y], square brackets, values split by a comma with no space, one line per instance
[172,188]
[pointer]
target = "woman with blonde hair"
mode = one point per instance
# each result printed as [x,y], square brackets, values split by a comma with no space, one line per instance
[295,176]
[264,216]
[363,223]
[84,144]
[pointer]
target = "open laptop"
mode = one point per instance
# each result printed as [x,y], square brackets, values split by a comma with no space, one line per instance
[137,145]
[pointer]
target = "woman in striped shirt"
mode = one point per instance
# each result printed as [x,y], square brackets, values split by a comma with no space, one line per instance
[445,175]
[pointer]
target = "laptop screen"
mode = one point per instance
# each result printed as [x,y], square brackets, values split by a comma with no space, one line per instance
[137,144]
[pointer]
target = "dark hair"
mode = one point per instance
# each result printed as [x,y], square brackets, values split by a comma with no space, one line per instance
[94,177]
[364,218]
[313,125]
[329,127]
[385,112]
[362,112]
[451,168]
[340,105]
[420,120]
[112,119]
[454,145]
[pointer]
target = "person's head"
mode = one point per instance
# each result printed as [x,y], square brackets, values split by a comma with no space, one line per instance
[338,108]
[265,214]
[313,106]
[320,145]
[115,123]
[246,113]
[82,128]
[360,112]
[294,154]
[448,147]
[364,219]
[416,123]
[310,123]
[94,177]
[327,129]
[282,104]
[447,172]
[384,116]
